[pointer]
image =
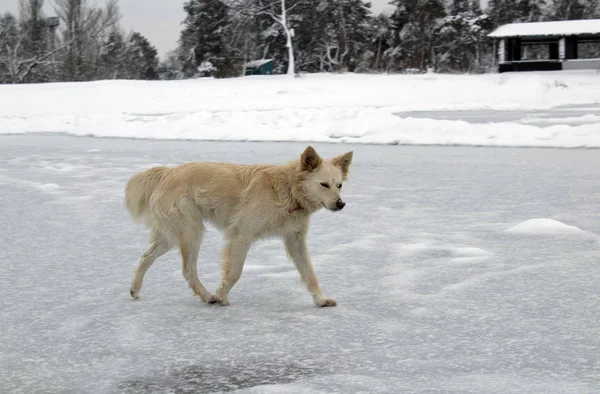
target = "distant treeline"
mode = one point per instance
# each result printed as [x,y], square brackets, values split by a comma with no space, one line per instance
[84,42]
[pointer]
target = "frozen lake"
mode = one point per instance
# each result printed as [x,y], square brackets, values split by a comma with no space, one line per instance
[434,296]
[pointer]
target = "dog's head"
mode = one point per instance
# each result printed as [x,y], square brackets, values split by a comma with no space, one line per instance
[322,179]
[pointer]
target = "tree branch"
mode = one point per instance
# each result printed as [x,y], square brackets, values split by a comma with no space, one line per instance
[272,15]
[328,49]
[292,7]
[35,62]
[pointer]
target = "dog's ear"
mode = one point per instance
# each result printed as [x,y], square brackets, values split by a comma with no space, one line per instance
[343,162]
[310,159]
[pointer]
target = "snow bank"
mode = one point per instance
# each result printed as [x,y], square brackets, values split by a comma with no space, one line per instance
[544,226]
[322,108]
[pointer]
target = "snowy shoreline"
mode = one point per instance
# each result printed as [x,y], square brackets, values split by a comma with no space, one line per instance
[346,108]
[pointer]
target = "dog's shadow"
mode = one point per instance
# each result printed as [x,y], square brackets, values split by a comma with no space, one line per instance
[219,378]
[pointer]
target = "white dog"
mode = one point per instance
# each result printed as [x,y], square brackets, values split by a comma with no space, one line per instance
[246,202]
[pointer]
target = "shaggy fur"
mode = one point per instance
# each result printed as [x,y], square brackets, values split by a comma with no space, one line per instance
[245,202]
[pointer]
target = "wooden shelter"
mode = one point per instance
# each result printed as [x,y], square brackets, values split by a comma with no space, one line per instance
[541,46]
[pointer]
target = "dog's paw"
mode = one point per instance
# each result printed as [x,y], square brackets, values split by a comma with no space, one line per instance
[134,294]
[325,302]
[208,298]
[224,302]
[218,300]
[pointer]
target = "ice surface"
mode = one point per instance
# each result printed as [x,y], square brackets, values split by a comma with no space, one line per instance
[434,296]
[345,108]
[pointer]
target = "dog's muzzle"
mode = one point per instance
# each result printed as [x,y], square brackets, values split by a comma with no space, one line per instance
[339,205]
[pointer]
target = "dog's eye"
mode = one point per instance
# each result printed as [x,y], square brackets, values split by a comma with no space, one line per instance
[325,184]
[339,185]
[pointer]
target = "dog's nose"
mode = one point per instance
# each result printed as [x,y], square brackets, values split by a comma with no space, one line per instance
[340,204]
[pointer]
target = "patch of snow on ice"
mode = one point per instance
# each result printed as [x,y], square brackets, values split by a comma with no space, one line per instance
[543,226]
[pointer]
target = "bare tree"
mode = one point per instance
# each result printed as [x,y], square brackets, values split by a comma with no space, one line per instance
[281,19]
[26,47]
[19,67]
[93,45]
[85,27]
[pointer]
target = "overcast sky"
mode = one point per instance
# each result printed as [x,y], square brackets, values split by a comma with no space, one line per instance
[158,20]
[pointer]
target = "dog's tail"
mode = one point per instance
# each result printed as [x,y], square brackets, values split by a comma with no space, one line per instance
[139,189]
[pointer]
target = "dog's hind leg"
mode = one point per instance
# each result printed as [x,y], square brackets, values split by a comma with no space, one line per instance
[189,255]
[234,257]
[158,246]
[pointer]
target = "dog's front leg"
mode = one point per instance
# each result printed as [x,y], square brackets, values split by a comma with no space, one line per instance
[295,245]
[234,257]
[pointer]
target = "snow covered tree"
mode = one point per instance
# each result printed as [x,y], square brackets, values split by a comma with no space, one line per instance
[381,39]
[414,24]
[255,35]
[112,57]
[267,29]
[278,11]
[460,38]
[35,38]
[26,54]
[374,39]
[170,68]
[574,9]
[203,48]
[132,58]
[475,7]
[459,7]
[92,45]
[510,11]
[345,35]
[9,36]
[142,58]
[328,35]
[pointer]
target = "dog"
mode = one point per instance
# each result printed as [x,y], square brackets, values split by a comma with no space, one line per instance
[246,202]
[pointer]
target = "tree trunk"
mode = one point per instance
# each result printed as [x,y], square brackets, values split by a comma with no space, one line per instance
[478,55]
[245,57]
[378,54]
[291,70]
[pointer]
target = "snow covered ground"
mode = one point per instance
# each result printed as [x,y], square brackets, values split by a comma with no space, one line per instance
[437,292]
[373,109]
